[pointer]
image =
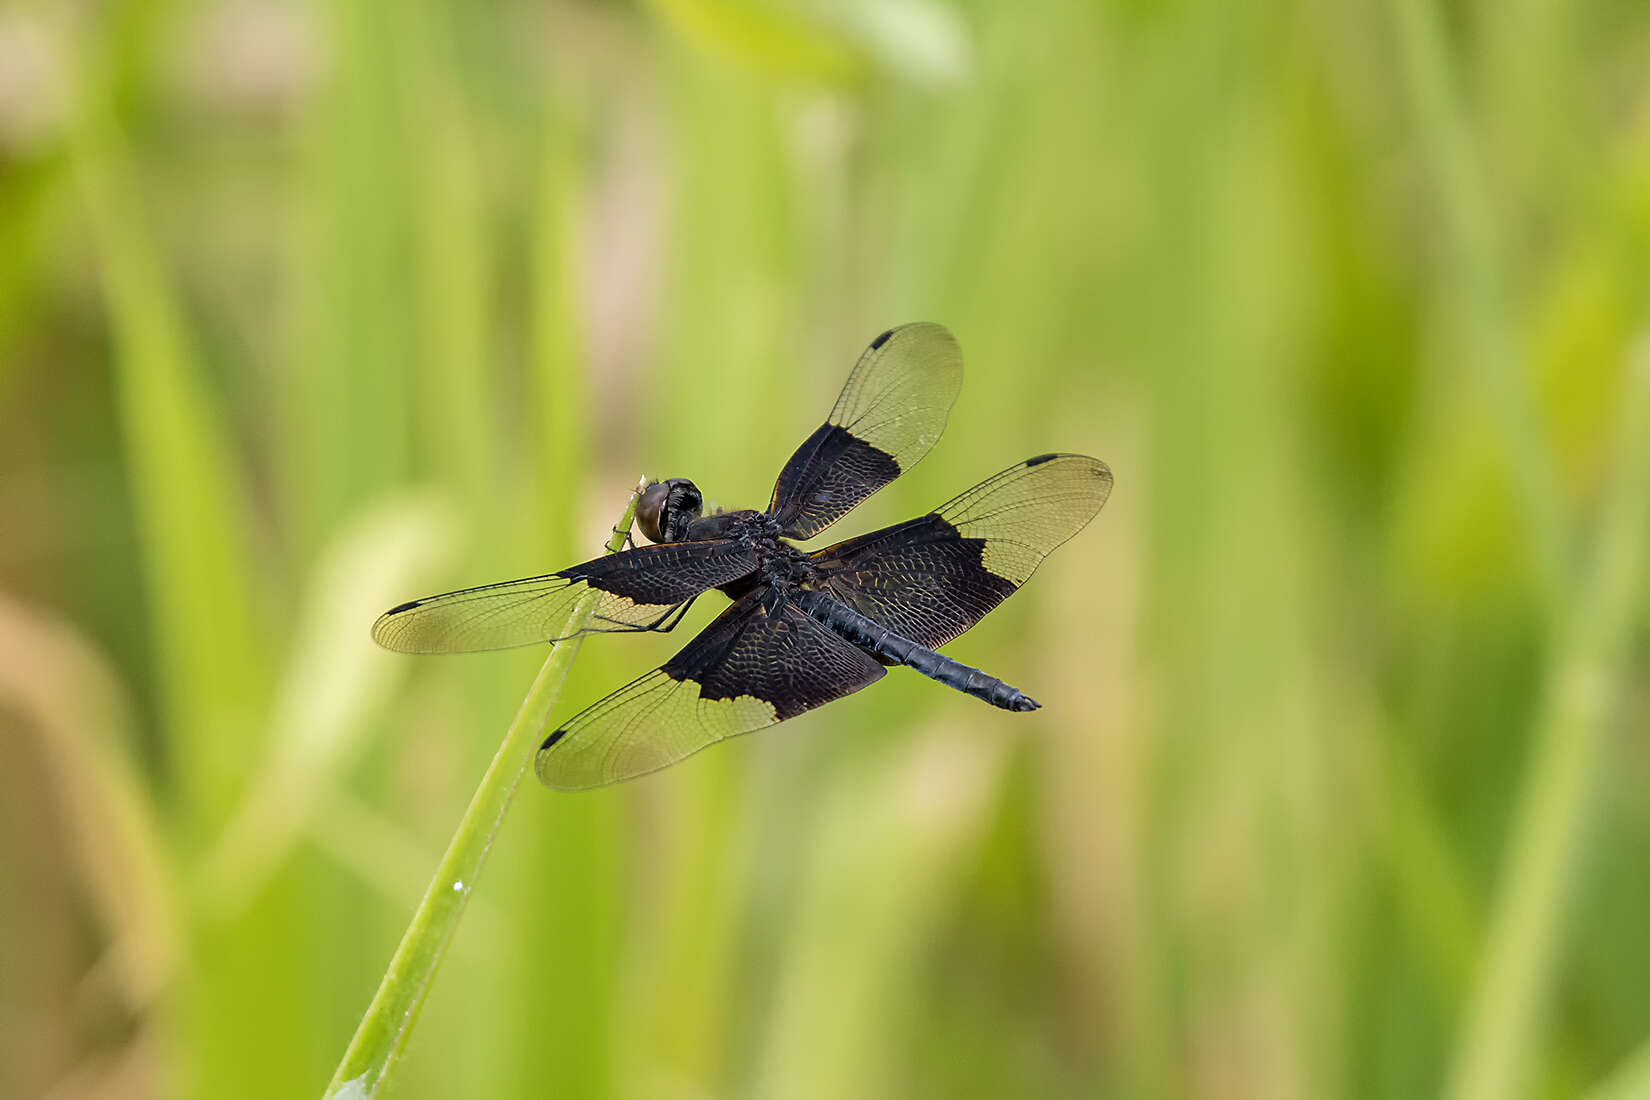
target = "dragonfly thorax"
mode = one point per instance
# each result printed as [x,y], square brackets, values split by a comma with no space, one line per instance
[783,565]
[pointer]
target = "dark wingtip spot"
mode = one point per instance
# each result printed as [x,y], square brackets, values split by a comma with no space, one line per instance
[881,340]
[553,738]
[1040,459]
[400,607]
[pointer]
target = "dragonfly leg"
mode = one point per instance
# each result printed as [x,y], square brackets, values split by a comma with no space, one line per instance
[668,621]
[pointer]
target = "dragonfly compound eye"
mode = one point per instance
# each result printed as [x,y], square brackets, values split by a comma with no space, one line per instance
[682,507]
[650,508]
[666,508]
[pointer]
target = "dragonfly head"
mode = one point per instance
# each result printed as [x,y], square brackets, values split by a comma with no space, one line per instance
[666,508]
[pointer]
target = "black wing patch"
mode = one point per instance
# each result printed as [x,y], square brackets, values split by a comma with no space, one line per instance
[931,578]
[634,590]
[891,412]
[744,671]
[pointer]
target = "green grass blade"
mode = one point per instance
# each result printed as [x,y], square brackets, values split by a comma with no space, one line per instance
[186,484]
[859,923]
[1584,686]
[336,682]
[1630,1082]
[389,1020]
[767,38]
[66,693]
[1475,265]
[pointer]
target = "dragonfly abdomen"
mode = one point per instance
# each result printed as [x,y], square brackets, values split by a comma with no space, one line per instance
[878,640]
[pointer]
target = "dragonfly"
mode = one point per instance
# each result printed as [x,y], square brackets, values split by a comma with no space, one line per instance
[804,627]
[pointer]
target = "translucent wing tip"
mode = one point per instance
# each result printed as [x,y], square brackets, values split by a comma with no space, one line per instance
[1077,468]
[385,631]
[1091,474]
[913,328]
[928,341]
[900,393]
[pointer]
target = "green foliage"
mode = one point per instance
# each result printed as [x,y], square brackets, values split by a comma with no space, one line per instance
[1337,789]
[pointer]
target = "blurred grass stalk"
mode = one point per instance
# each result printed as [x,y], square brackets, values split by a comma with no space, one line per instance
[66,692]
[388,1022]
[1592,613]
[1630,1082]
[1468,221]
[335,683]
[1499,1035]
[858,937]
[186,478]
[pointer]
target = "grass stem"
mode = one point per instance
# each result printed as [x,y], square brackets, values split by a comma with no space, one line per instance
[389,1020]
[1477,257]
[1583,690]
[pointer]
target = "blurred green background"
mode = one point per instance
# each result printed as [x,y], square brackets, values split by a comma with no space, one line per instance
[1340,783]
